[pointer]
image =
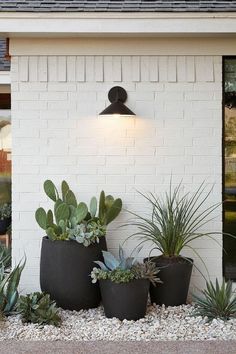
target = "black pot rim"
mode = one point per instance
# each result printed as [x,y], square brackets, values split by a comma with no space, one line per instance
[68,242]
[179,259]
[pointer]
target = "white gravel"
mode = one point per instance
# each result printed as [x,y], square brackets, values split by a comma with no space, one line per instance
[160,323]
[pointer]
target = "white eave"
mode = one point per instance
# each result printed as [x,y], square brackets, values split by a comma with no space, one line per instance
[115,24]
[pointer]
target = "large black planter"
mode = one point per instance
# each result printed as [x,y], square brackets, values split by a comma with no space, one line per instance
[4,224]
[65,269]
[175,273]
[125,300]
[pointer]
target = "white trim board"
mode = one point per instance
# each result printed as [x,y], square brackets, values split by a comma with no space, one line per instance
[123,46]
[110,24]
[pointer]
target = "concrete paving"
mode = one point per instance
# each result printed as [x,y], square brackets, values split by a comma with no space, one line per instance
[103,347]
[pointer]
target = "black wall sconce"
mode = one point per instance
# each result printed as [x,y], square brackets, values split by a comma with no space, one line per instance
[117,96]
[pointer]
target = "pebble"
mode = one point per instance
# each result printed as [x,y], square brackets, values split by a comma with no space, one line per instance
[160,323]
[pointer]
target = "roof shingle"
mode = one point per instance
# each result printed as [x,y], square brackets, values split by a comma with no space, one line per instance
[118,6]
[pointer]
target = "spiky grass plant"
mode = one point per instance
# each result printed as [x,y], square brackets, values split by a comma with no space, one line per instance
[5,256]
[216,301]
[176,220]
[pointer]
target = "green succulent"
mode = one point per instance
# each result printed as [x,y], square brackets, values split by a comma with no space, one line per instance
[72,220]
[123,270]
[38,308]
[87,232]
[5,256]
[9,288]
[5,211]
[216,301]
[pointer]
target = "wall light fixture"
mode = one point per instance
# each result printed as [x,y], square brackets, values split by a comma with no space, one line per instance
[117,96]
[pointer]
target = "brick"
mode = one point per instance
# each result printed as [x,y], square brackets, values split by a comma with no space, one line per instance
[58,135]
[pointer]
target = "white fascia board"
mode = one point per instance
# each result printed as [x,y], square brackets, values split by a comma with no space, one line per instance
[115,24]
[5,77]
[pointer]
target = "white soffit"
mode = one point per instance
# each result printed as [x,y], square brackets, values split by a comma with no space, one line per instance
[116,24]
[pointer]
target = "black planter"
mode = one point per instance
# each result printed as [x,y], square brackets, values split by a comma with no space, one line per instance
[4,224]
[65,268]
[175,273]
[125,300]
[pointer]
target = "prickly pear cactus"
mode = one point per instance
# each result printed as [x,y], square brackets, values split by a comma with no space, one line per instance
[72,220]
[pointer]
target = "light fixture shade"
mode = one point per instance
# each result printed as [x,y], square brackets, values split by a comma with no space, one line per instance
[117,96]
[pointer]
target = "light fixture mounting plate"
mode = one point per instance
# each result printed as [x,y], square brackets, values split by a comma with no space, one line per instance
[117,93]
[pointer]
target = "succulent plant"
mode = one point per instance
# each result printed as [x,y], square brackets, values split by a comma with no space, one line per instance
[72,220]
[216,301]
[5,211]
[109,208]
[5,256]
[38,308]
[87,232]
[9,288]
[123,270]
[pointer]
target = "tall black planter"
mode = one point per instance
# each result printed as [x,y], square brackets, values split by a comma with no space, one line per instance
[65,269]
[4,224]
[125,300]
[175,274]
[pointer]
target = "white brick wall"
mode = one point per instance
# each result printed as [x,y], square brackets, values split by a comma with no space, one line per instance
[58,135]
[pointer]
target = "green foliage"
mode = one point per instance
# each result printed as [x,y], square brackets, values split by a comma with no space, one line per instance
[175,221]
[38,308]
[117,275]
[109,208]
[51,190]
[217,301]
[5,256]
[5,190]
[87,232]
[5,211]
[9,288]
[73,220]
[123,270]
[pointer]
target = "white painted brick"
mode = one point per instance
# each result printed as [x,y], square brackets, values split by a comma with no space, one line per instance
[33,86]
[135,67]
[153,69]
[61,86]
[52,68]
[33,69]
[61,68]
[89,68]
[144,68]
[71,73]
[23,69]
[42,68]
[58,135]
[98,68]
[163,69]
[126,69]
[116,68]
[107,69]
[171,69]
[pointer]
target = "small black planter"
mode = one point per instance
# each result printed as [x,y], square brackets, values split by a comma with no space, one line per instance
[125,300]
[4,224]
[65,269]
[175,274]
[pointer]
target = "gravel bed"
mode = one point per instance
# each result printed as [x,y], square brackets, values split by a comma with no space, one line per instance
[160,323]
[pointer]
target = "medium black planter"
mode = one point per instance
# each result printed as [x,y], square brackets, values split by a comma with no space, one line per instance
[125,300]
[65,268]
[4,224]
[175,273]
